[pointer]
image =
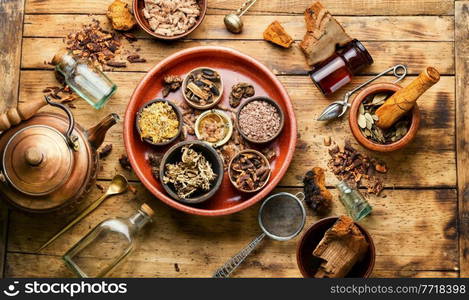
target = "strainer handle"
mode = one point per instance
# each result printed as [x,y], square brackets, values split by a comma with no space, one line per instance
[234,262]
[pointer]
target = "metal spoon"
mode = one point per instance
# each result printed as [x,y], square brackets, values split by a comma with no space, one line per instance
[233,22]
[118,185]
[338,108]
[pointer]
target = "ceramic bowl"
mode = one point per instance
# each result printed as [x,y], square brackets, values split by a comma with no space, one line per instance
[308,263]
[266,99]
[362,139]
[137,7]
[227,122]
[173,155]
[192,103]
[233,181]
[178,114]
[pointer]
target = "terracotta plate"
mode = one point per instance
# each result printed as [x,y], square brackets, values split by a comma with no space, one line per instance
[234,67]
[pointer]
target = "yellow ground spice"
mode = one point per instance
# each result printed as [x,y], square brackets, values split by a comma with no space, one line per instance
[158,122]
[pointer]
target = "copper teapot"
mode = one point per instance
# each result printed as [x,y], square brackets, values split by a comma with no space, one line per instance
[48,162]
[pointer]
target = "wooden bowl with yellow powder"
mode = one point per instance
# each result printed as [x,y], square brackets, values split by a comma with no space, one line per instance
[159,122]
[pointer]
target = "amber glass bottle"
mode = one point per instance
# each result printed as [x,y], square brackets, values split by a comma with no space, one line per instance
[338,70]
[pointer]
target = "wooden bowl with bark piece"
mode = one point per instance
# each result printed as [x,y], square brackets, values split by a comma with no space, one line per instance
[309,264]
[139,5]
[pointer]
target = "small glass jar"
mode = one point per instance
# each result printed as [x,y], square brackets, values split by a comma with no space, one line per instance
[355,204]
[338,70]
[107,245]
[84,79]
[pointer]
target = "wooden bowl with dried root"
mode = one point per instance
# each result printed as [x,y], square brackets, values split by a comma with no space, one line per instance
[202,88]
[154,19]
[249,171]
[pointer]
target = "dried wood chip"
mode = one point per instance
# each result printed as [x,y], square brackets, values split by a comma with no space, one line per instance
[135,58]
[105,151]
[116,64]
[125,163]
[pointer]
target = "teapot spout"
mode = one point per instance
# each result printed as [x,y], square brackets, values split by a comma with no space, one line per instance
[97,133]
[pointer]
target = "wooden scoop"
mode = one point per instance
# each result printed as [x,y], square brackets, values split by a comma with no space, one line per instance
[403,100]
[24,111]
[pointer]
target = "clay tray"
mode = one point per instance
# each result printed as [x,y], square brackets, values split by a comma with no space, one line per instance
[234,67]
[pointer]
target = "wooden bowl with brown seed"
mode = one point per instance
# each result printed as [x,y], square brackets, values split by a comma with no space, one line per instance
[139,5]
[366,142]
[202,88]
[249,171]
[265,122]
[178,115]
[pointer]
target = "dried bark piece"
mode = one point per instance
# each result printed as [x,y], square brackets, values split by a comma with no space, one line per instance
[276,34]
[116,64]
[342,246]
[105,151]
[240,91]
[125,163]
[171,84]
[135,58]
[120,16]
[323,34]
[317,196]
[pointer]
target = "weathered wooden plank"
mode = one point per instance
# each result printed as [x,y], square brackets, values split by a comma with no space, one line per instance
[375,28]
[337,7]
[413,231]
[411,167]
[462,129]
[417,55]
[11,22]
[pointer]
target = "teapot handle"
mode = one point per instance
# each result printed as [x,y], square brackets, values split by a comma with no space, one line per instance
[71,139]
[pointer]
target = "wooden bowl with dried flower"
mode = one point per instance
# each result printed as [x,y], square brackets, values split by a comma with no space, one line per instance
[138,7]
[368,137]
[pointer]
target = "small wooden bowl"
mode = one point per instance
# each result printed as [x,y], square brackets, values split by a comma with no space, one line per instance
[137,7]
[362,139]
[266,99]
[308,263]
[178,114]
[233,181]
[228,125]
[195,105]
[173,155]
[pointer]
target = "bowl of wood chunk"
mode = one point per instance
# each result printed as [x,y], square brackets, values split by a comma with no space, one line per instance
[169,19]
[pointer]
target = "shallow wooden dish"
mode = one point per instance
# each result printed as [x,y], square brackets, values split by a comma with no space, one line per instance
[178,114]
[308,263]
[233,182]
[275,104]
[137,7]
[362,139]
[234,67]
[195,105]
[174,154]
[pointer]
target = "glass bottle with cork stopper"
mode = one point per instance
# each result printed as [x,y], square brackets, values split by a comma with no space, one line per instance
[336,71]
[107,245]
[355,204]
[84,78]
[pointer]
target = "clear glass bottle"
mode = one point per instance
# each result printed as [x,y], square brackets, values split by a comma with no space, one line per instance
[84,79]
[355,204]
[108,244]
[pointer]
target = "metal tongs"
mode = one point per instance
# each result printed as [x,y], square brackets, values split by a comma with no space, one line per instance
[338,108]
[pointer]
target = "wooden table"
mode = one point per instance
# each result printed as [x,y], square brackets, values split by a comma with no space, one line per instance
[421,229]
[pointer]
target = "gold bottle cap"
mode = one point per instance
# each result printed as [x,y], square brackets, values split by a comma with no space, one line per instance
[147,209]
[58,56]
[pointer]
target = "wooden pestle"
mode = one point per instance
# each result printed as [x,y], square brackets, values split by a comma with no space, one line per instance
[404,100]
[14,116]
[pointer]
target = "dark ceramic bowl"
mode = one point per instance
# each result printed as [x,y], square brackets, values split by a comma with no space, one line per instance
[233,182]
[308,263]
[266,99]
[137,7]
[362,139]
[173,155]
[178,114]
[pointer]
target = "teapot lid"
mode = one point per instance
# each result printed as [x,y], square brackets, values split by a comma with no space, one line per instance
[37,160]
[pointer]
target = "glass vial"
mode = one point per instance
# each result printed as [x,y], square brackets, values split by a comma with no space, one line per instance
[84,79]
[355,204]
[338,70]
[108,244]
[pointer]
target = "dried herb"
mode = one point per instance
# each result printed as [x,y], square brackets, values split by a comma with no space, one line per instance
[158,122]
[240,91]
[259,120]
[105,151]
[171,83]
[249,171]
[116,64]
[193,173]
[356,168]
[203,87]
[125,163]
[120,16]
[155,160]
[367,121]
[100,187]
[135,58]
[317,196]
